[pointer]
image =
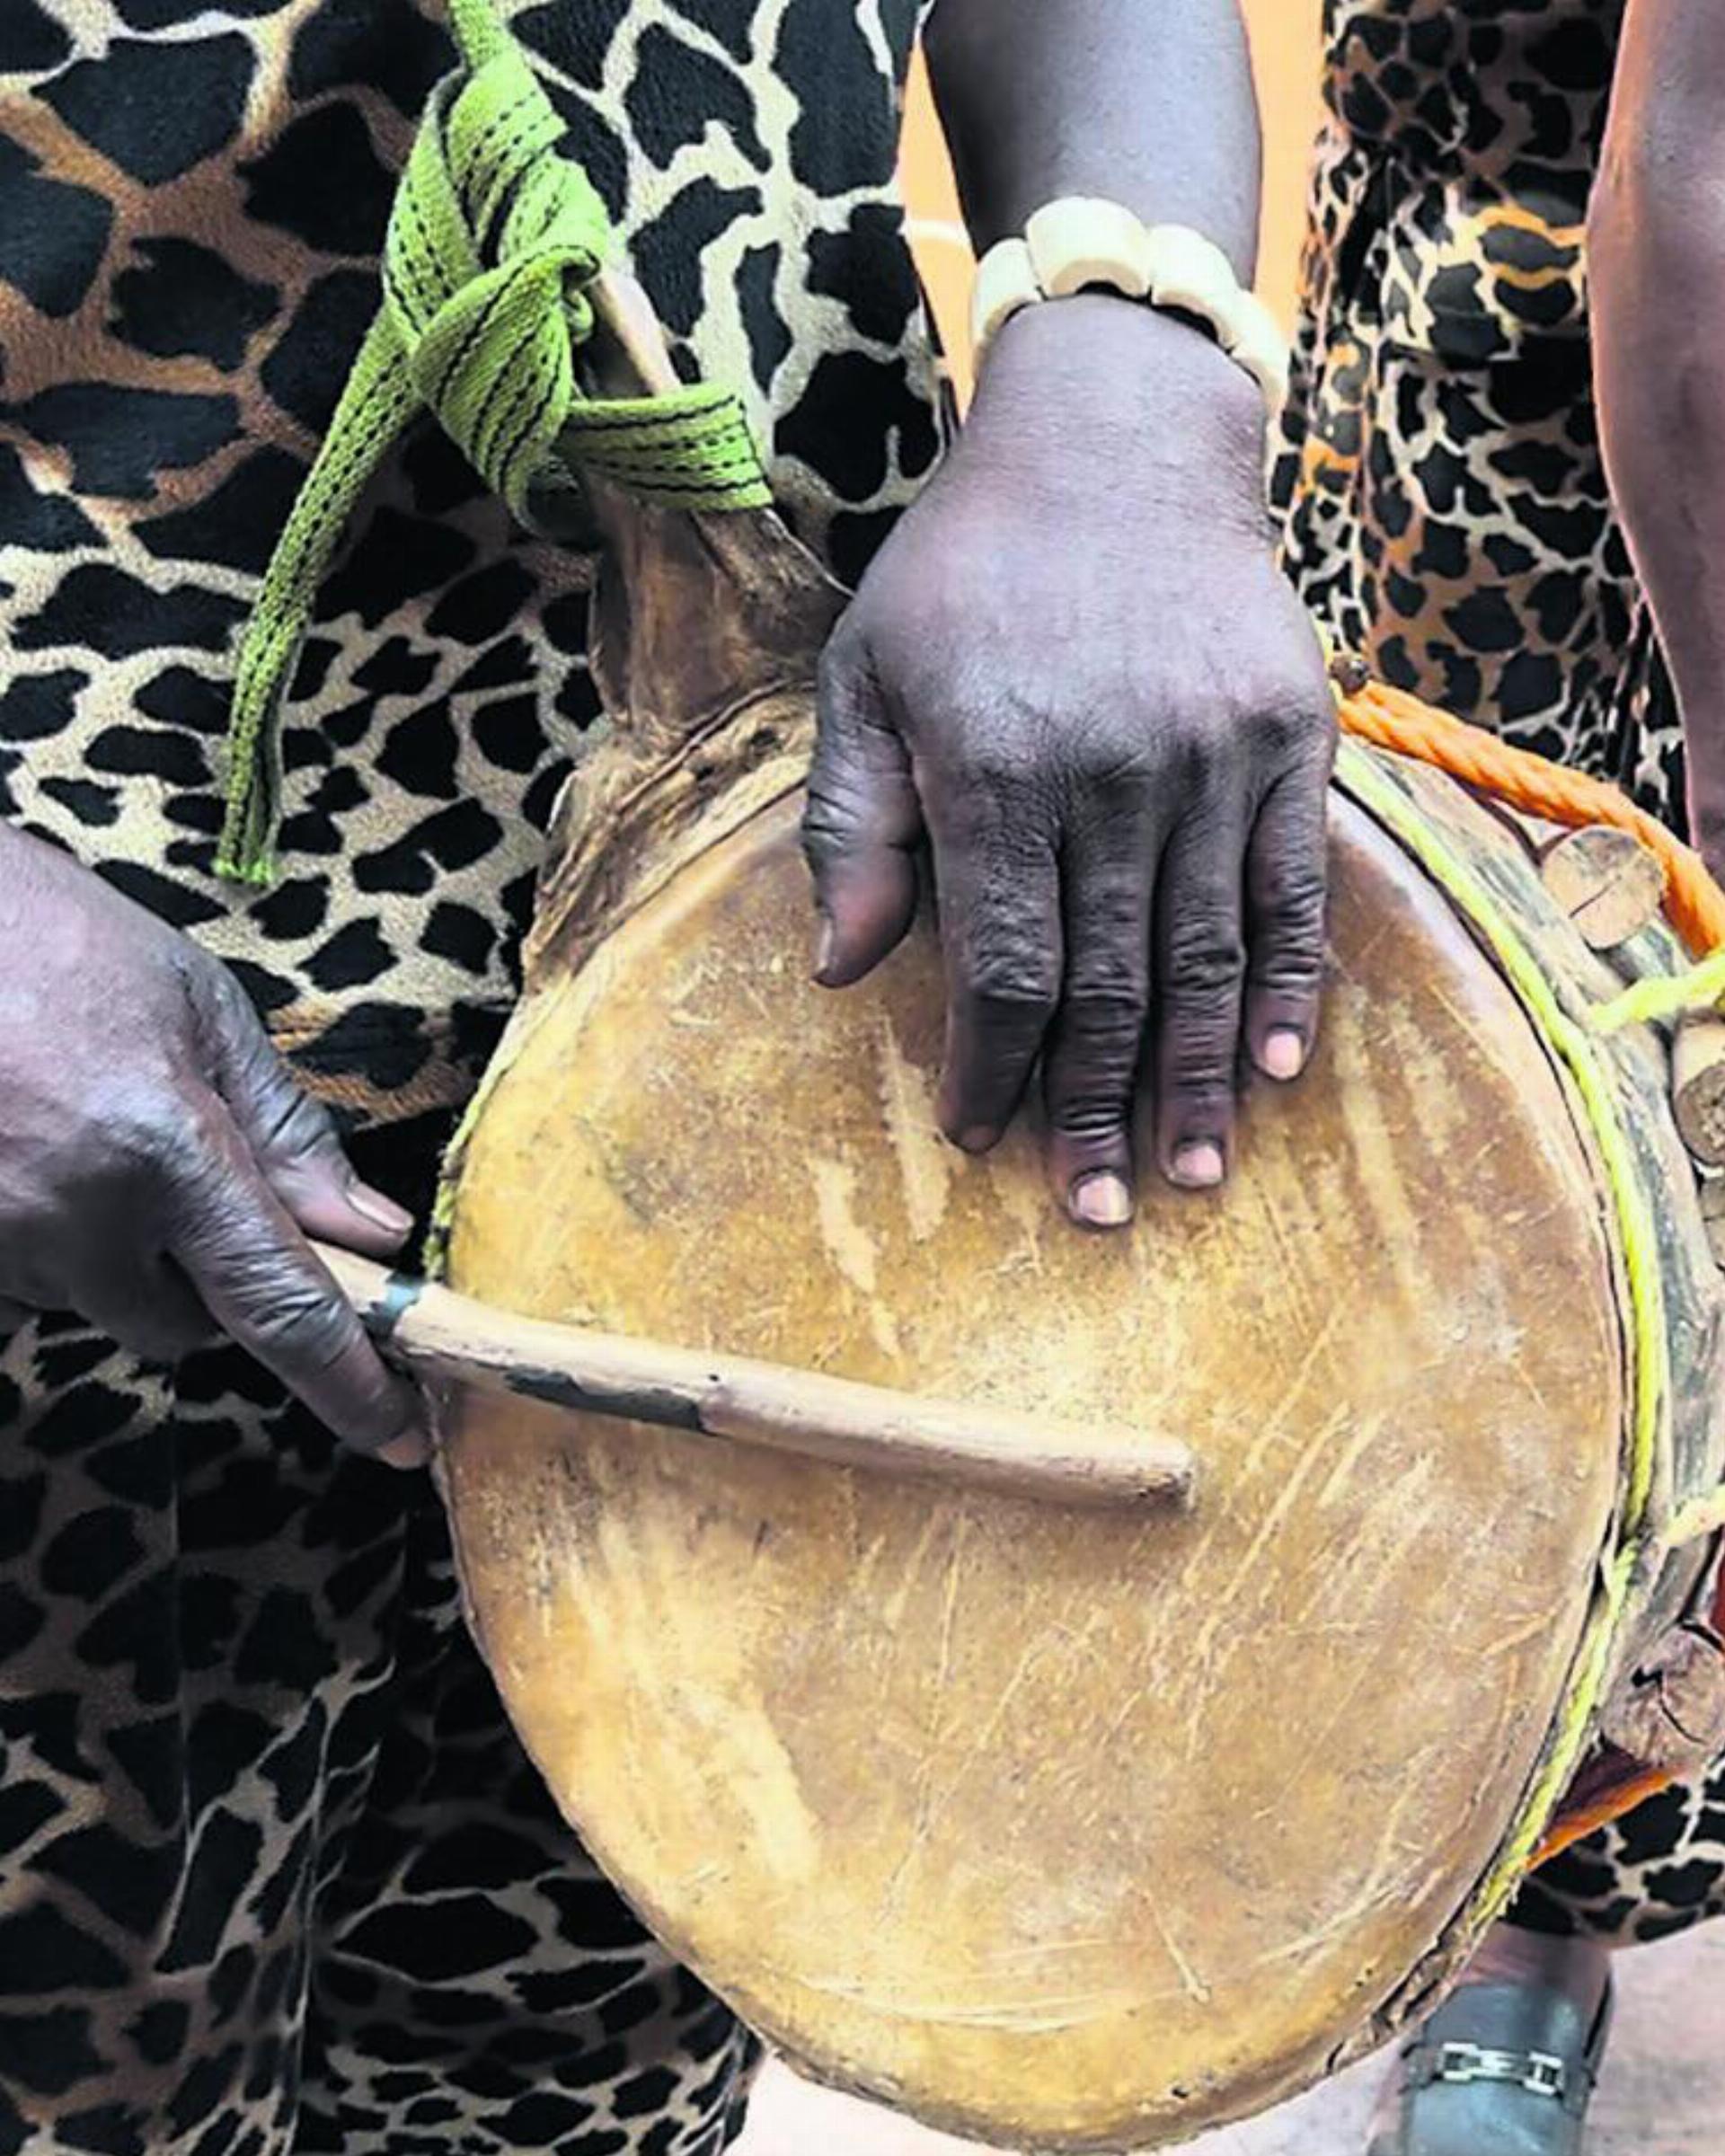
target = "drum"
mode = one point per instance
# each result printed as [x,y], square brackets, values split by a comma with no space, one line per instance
[1068,1828]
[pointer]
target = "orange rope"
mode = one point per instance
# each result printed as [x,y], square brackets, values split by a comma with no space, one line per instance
[1571,1827]
[1391,719]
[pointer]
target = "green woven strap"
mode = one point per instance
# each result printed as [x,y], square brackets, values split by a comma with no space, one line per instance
[494,239]
[691,451]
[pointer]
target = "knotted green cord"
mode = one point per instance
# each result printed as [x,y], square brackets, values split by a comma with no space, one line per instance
[494,240]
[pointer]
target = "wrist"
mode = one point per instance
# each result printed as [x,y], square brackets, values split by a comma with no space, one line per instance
[1099,377]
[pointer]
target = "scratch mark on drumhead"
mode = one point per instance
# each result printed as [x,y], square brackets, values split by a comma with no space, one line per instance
[849,1243]
[1191,1981]
[1017,2016]
[926,1164]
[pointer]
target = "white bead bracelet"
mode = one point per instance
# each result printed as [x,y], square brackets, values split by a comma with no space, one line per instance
[1081,243]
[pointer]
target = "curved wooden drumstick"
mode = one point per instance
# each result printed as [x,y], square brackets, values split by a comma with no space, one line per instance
[434,1333]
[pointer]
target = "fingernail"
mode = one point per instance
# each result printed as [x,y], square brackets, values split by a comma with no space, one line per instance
[380,1211]
[979,1138]
[411,1449]
[824,943]
[1199,1167]
[1283,1053]
[1101,1200]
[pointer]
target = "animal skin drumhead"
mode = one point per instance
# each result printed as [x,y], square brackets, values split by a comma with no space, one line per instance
[1063,1828]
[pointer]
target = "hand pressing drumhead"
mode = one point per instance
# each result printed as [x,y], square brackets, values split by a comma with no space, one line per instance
[1075,674]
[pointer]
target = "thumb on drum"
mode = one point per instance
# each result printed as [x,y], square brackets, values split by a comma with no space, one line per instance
[862,821]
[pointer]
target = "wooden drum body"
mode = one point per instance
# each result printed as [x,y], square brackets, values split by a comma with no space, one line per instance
[1063,1829]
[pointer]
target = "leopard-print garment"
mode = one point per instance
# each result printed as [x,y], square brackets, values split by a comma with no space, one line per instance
[191,202]
[1446,514]
[275,1874]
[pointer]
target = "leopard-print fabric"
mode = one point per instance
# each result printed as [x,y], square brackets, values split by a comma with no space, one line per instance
[1446,514]
[274,1873]
[1448,510]
[192,203]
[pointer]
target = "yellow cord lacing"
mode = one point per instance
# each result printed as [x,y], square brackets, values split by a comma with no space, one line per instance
[1576,1046]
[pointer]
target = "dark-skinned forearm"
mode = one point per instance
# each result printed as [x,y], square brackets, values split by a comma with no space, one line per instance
[1147,102]
[1657,263]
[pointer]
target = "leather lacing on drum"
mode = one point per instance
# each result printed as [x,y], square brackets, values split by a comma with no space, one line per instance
[1389,720]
